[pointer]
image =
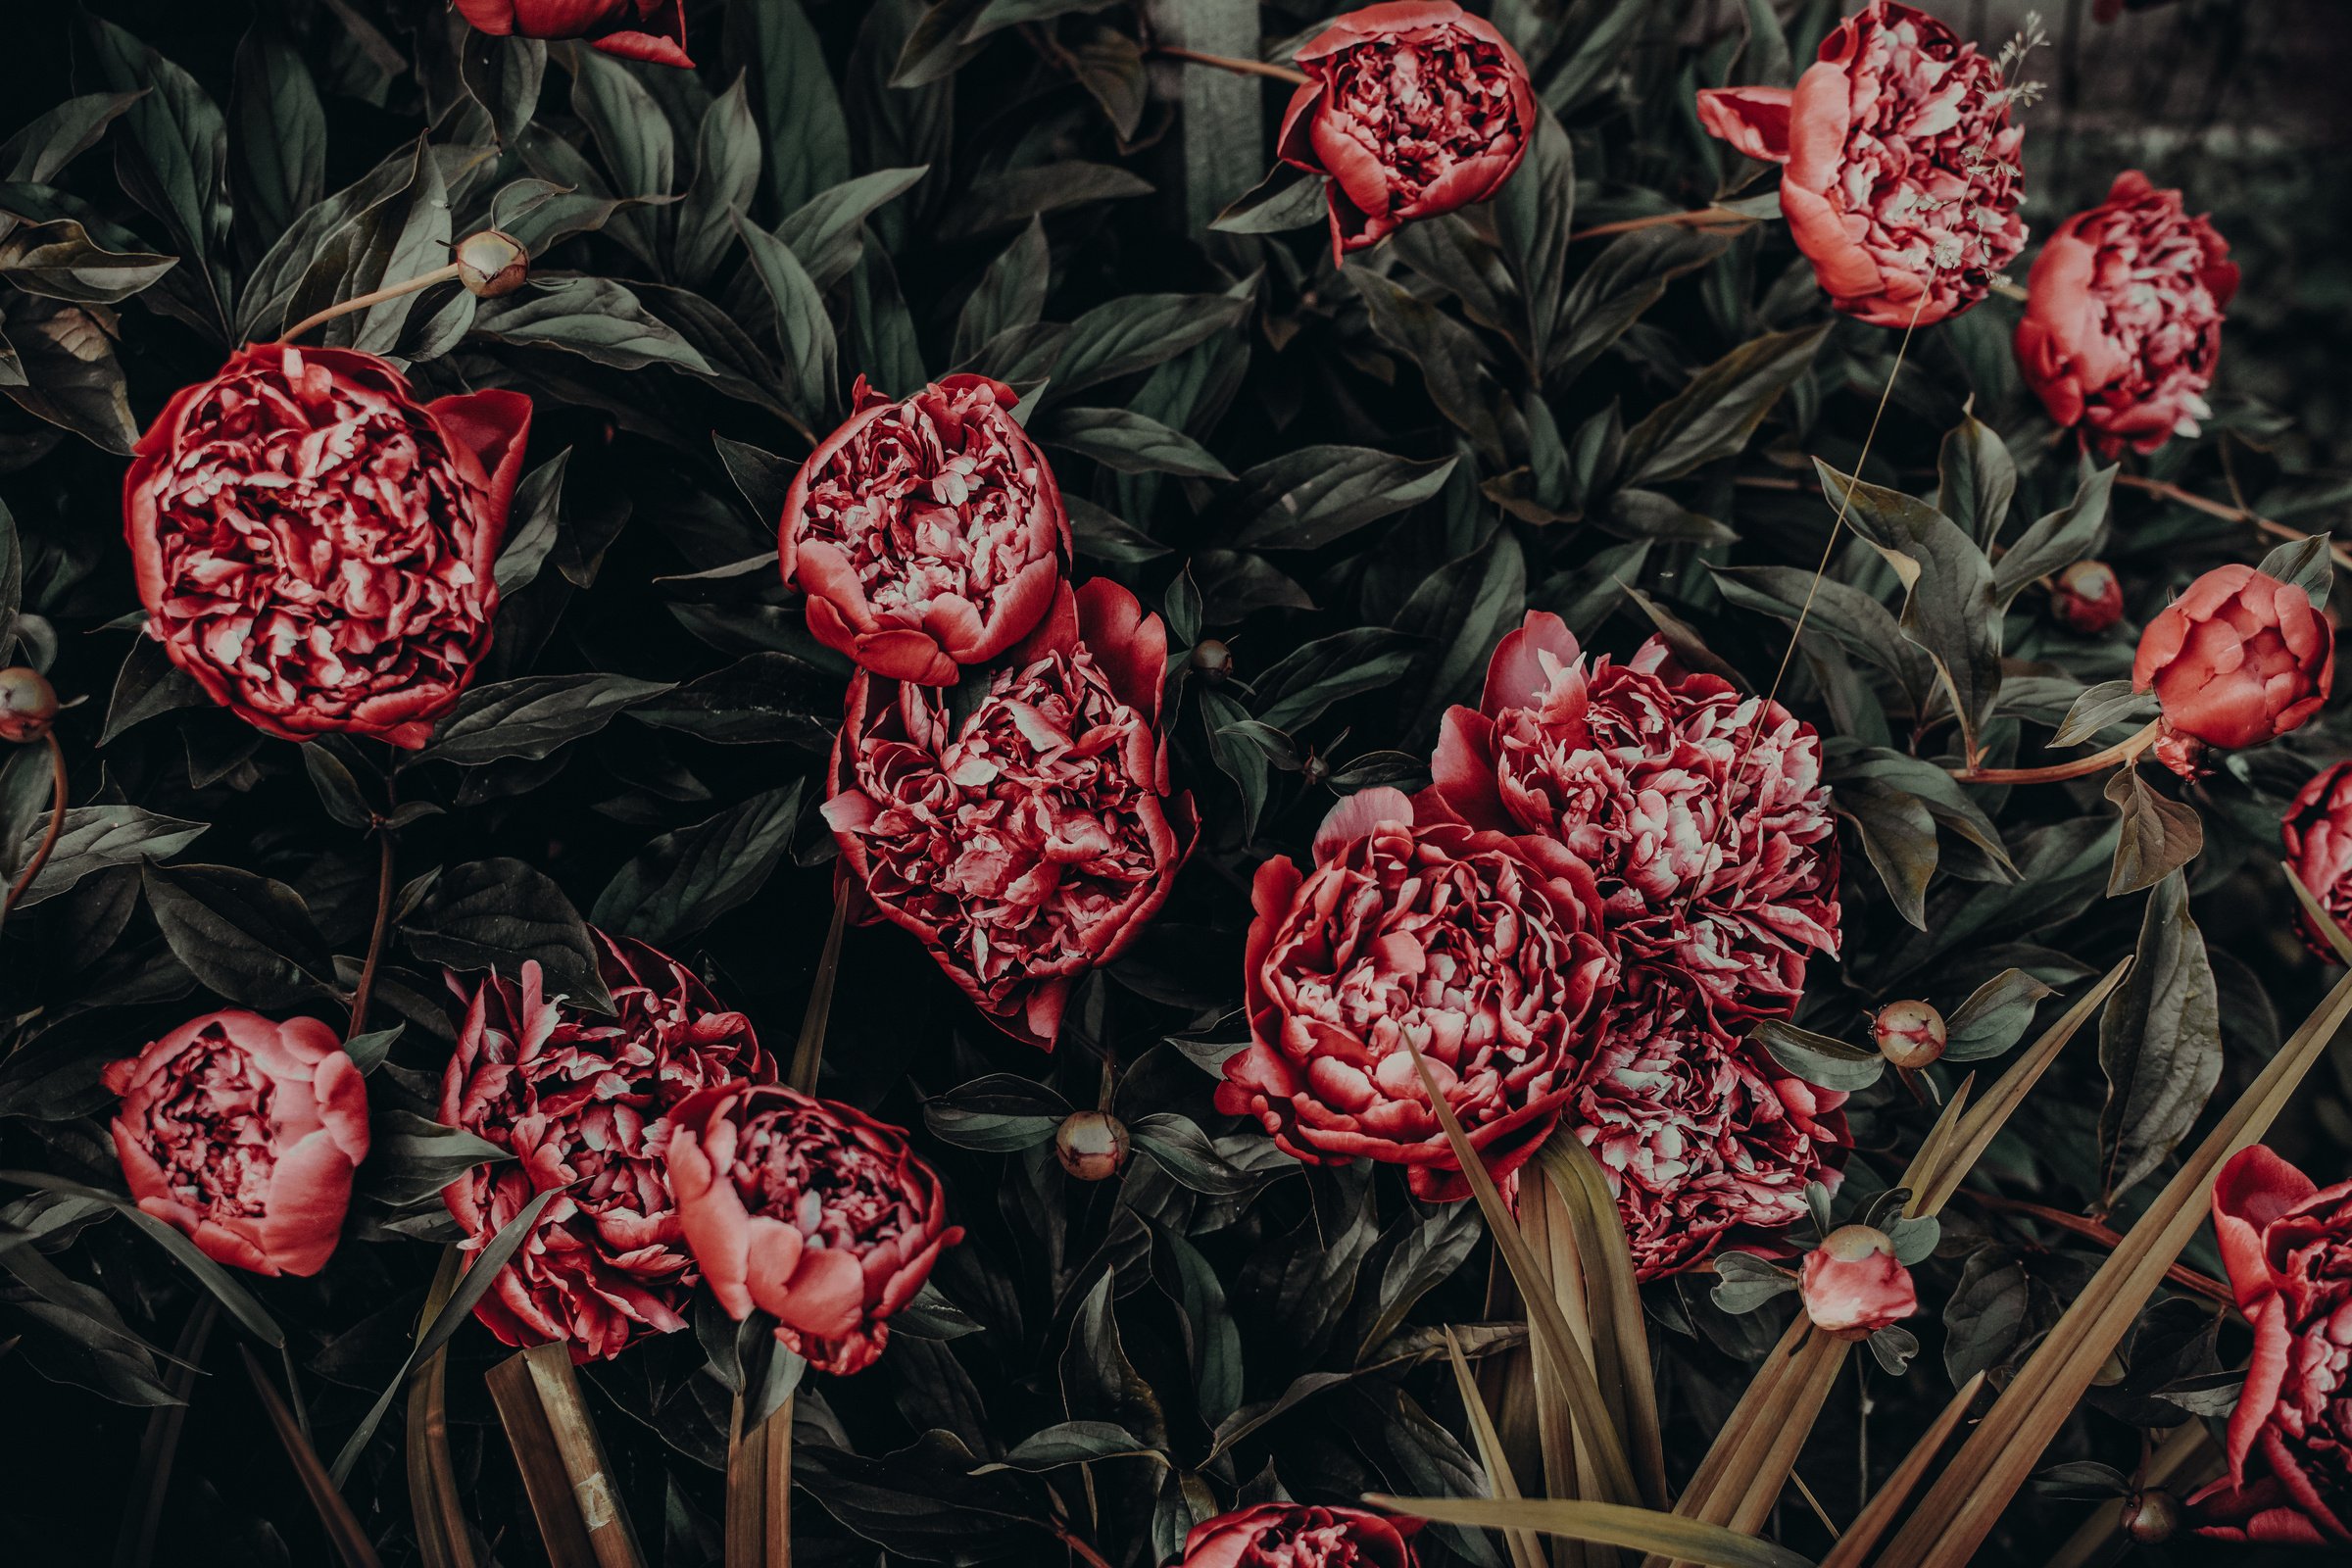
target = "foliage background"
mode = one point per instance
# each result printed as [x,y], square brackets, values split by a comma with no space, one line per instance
[1216,1272]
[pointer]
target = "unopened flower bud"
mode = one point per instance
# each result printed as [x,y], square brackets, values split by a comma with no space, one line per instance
[1212,659]
[2151,1517]
[2087,598]
[491,263]
[1852,1285]
[27,704]
[1092,1144]
[1909,1034]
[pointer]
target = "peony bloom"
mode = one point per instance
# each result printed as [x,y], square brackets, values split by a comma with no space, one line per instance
[928,533]
[2318,832]
[813,1213]
[1412,109]
[2085,598]
[1702,813]
[652,31]
[2287,1246]
[1703,1137]
[2122,317]
[1899,178]
[315,546]
[1853,1286]
[243,1134]
[2238,659]
[1032,838]
[580,1098]
[1294,1534]
[1483,948]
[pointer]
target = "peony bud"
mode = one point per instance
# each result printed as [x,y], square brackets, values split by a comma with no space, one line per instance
[491,263]
[27,704]
[1092,1144]
[1852,1285]
[1909,1034]
[2238,659]
[1212,660]
[2151,1517]
[2087,598]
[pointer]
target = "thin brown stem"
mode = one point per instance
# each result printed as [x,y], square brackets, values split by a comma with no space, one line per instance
[2090,1230]
[1238,66]
[2123,751]
[1077,1544]
[360,302]
[1703,217]
[57,825]
[387,869]
[2173,493]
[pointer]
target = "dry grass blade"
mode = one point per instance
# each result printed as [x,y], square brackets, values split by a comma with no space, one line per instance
[1544,1321]
[1527,1552]
[563,1470]
[809,1052]
[760,1491]
[444,1539]
[1966,1500]
[1852,1550]
[1612,1524]
[151,1479]
[1621,1341]
[1933,1187]
[350,1542]
[2328,925]
[1563,1464]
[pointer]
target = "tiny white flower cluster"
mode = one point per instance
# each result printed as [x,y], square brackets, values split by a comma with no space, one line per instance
[1950,254]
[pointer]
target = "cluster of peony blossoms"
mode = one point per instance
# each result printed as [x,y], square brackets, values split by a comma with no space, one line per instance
[999,786]
[1616,868]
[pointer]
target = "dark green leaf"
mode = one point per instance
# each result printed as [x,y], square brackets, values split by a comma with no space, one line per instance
[1948,606]
[532,716]
[2159,836]
[1899,835]
[173,158]
[244,936]
[1288,198]
[1714,416]
[1818,1059]
[1627,277]
[97,838]
[1977,477]
[1184,1151]
[1000,1114]
[1000,201]
[726,172]
[594,317]
[1995,1017]
[498,914]
[1127,442]
[793,95]
[2306,563]
[1453,365]
[804,330]
[1306,498]
[1295,690]
[1136,332]
[1532,215]
[823,231]
[2160,1043]
[2110,701]
[682,881]
[1011,294]
[1460,612]
[280,139]
[2056,541]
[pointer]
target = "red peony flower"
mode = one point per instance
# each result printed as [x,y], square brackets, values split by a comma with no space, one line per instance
[1703,1137]
[2122,317]
[652,31]
[1853,1286]
[2287,1246]
[316,547]
[2085,598]
[820,1216]
[2238,659]
[1900,181]
[1292,1534]
[1412,109]
[242,1133]
[2318,832]
[580,1098]
[928,533]
[1485,949]
[1702,813]
[1030,840]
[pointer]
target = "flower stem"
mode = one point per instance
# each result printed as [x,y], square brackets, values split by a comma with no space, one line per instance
[2090,1230]
[2171,492]
[1077,1544]
[1242,68]
[390,291]
[1703,217]
[383,915]
[57,825]
[2123,751]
